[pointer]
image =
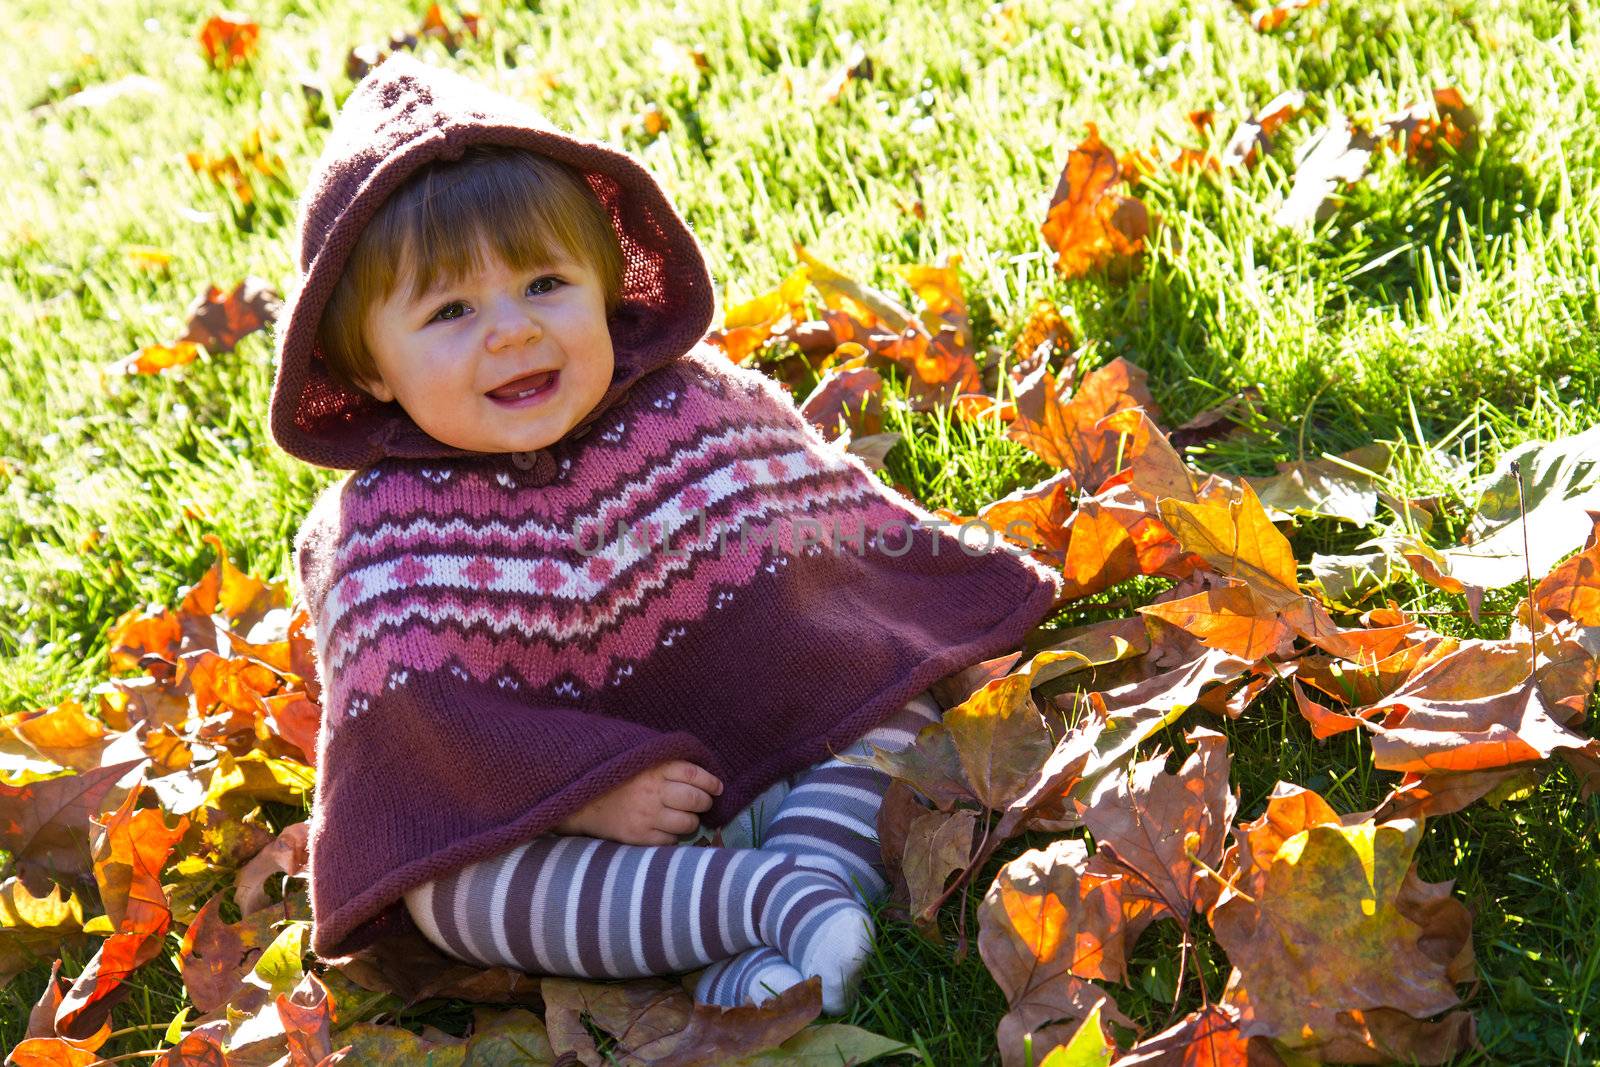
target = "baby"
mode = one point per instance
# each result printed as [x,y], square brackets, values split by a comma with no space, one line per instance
[531,727]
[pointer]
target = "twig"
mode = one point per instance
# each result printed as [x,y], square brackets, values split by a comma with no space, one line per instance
[1527,566]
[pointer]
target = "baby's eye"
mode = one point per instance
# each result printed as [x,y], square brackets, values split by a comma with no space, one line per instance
[533,285]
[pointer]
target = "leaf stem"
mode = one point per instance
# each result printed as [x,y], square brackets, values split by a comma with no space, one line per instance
[1198,862]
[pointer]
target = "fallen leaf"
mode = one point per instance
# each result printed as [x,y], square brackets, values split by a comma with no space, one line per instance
[1089,1046]
[1571,592]
[936,846]
[1042,925]
[288,854]
[1155,828]
[1253,137]
[1329,926]
[1336,155]
[846,399]
[44,825]
[217,322]
[1328,487]
[153,359]
[64,734]
[1231,618]
[228,38]
[1089,225]
[1237,539]
[1067,431]
[1208,1037]
[215,957]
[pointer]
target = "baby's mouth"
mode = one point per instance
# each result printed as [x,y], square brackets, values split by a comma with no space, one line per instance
[528,387]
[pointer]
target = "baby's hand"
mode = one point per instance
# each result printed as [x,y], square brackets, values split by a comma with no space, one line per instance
[654,807]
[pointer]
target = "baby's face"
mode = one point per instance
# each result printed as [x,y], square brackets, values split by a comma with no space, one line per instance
[443,355]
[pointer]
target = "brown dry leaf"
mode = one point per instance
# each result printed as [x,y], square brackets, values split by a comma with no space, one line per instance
[1160,697]
[48,1047]
[847,400]
[937,372]
[1035,517]
[288,853]
[1339,949]
[137,634]
[999,736]
[217,322]
[1572,590]
[200,1047]
[1225,419]
[1324,721]
[412,968]
[1208,1037]
[937,844]
[1440,794]
[296,719]
[1100,550]
[1045,336]
[1156,828]
[656,1023]
[1475,709]
[44,825]
[1089,225]
[306,1013]
[1043,925]
[216,957]
[224,590]
[228,38]
[929,765]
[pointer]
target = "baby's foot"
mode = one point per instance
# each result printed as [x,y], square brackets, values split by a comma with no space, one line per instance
[820,927]
[752,977]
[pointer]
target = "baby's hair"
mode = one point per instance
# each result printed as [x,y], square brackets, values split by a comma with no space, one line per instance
[527,207]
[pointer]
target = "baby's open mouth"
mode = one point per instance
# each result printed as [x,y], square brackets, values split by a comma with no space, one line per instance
[528,387]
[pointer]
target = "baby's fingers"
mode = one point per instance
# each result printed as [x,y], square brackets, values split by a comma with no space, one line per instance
[693,774]
[684,797]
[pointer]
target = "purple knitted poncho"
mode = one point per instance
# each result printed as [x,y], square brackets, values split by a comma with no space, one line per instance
[693,572]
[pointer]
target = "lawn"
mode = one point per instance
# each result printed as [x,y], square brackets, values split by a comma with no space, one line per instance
[1450,306]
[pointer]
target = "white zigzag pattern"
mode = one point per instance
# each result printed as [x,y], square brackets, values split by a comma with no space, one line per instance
[516,570]
[522,531]
[586,624]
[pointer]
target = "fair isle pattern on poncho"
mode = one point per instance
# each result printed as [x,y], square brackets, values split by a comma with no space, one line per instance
[486,672]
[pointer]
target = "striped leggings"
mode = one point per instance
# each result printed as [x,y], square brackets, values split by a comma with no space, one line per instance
[787,905]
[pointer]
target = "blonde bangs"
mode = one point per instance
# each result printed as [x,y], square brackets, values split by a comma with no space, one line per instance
[527,209]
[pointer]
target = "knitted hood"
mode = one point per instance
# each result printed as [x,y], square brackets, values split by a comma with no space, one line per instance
[406,113]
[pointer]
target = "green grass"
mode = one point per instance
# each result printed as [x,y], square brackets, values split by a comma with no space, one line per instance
[1459,305]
